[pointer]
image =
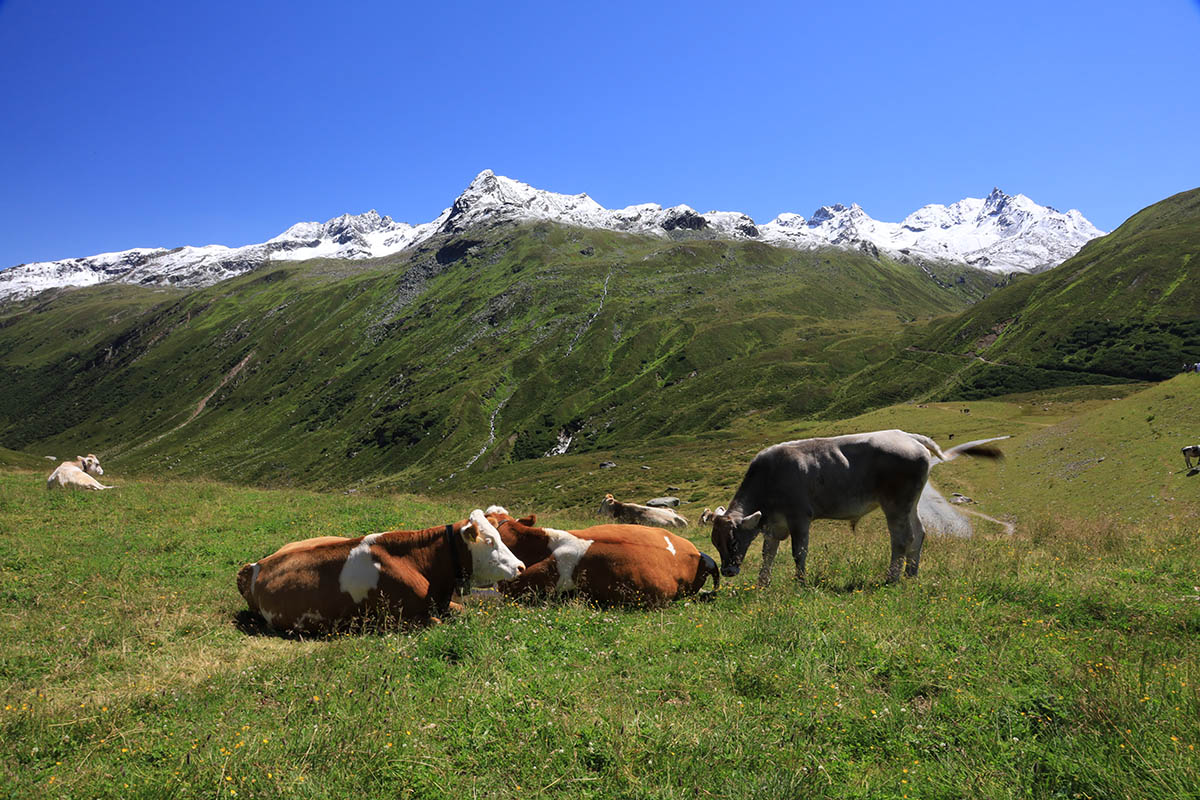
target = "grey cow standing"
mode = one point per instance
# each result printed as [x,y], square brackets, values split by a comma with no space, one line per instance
[789,485]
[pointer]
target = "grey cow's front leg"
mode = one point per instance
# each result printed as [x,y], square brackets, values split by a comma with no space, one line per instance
[799,530]
[770,548]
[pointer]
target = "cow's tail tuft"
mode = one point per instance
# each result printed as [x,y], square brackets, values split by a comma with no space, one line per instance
[980,448]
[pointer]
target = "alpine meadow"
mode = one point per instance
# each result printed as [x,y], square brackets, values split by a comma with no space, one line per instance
[537,352]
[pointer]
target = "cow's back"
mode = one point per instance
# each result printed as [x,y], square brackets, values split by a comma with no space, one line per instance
[839,476]
[637,564]
[68,475]
[297,586]
[58,478]
[303,585]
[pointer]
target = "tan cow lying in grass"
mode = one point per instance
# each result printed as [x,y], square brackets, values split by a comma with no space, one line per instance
[77,474]
[634,514]
[609,564]
[315,584]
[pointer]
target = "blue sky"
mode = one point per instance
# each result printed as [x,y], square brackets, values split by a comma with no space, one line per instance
[126,124]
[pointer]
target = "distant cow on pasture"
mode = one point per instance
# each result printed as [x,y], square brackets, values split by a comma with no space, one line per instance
[789,485]
[313,584]
[1190,452]
[634,514]
[77,474]
[609,564]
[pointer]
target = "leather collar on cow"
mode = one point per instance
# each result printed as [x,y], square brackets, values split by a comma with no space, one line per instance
[461,565]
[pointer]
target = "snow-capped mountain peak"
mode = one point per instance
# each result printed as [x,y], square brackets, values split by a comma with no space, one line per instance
[491,198]
[999,232]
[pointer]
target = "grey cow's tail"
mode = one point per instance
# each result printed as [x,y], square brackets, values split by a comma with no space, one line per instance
[930,445]
[980,448]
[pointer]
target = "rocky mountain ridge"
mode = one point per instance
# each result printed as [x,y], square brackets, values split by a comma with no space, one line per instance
[1001,232]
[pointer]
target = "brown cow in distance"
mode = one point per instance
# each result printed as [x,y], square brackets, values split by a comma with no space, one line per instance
[610,564]
[314,584]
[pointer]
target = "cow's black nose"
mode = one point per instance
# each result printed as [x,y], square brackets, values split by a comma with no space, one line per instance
[729,572]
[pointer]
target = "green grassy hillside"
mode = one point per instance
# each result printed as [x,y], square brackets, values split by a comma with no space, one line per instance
[330,372]
[1124,308]
[19,460]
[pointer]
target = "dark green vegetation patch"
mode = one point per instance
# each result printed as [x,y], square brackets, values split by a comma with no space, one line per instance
[1124,308]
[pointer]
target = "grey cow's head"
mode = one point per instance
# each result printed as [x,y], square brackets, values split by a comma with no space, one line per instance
[732,534]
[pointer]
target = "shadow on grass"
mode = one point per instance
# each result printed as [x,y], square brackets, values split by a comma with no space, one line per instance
[252,624]
[837,587]
[856,585]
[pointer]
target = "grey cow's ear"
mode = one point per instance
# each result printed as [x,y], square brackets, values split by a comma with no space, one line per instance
[751,522]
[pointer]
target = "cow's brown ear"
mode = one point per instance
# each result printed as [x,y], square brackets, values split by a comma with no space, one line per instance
[609,496]
[529,521]
[468,533]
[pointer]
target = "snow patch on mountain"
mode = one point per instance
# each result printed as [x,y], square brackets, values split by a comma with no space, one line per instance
[1000,232]
[349,236]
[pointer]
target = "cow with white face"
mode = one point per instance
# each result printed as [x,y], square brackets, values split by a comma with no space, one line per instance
[77,474]
[314,584]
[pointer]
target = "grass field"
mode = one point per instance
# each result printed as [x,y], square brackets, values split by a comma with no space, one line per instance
[1060,662]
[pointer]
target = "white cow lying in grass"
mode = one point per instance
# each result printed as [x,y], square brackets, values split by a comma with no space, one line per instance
[77,474]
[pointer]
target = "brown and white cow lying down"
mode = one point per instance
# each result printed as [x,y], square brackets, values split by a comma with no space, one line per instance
[311,585]
[77,474]
[609,564]
[634,514]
